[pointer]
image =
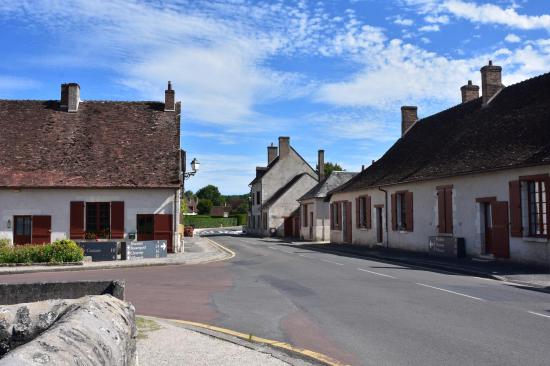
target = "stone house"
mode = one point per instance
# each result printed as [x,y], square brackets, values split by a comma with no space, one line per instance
[90,169]
[314,208]
[275,191]
[478,171]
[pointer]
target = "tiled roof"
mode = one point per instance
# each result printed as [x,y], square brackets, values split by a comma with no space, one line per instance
[333,181]
[104,144]
[513,130]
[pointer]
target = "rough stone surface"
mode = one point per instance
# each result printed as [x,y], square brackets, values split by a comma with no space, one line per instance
[93,330]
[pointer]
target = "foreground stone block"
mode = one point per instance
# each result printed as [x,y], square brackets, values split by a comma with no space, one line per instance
[93,330]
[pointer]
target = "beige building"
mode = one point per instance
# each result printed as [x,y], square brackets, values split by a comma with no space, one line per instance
[315,208]
[477,173]
[274,208]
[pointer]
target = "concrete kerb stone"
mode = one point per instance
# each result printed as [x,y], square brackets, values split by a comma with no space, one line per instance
[215,253]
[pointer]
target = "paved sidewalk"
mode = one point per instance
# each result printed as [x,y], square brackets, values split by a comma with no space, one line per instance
[166,343]
[538,277]
[197,250]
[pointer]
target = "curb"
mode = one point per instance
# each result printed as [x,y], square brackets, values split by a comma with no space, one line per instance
[123,266]
[227,335]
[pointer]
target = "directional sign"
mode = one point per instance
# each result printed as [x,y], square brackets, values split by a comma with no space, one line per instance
[146,249]
[446,246]
[99,250]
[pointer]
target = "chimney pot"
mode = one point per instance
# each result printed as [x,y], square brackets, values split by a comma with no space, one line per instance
[469,92]
[169,99]
[271,153]
[408,118]
[321,164]
[70,97]
[491,81]
[284,146]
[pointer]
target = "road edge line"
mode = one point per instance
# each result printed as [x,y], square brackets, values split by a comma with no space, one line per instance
[252,338]
[232,254]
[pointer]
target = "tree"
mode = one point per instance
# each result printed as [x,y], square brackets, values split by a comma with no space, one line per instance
[331,167]
[189,194]
[204,207]
[211,193]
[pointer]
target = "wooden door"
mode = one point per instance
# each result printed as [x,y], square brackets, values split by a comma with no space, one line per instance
[145,227]
[487,227]
[379,227]
[22,230]
[500,239]
[41,229]
[163,230]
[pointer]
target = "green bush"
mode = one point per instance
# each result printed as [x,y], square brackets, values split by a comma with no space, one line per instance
[4,242]
[241,218]
[203,221]
[57,252]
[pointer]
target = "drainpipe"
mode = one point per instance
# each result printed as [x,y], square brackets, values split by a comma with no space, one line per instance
[386,215]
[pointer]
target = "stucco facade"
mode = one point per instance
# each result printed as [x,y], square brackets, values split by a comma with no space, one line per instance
[56,203]
[467,215]
[319,228]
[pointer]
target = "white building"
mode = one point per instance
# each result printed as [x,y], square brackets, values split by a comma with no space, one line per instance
[478,171]
[275,191]
[89,169]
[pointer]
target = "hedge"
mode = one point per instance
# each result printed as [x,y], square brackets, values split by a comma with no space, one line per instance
[241,218]
[202,221]
[57,252]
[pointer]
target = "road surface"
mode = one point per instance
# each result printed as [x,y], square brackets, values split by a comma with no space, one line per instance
[359,311]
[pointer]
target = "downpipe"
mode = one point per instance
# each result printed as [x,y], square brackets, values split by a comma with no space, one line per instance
[387,239]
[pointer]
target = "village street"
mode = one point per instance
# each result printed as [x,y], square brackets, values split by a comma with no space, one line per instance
[355,310]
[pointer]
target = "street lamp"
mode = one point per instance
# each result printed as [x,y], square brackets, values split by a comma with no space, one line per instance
[195,165]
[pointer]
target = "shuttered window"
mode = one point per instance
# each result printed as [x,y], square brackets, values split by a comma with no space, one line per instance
[537,206]
[336,216]
[402,211]
[363,212]
[445,209]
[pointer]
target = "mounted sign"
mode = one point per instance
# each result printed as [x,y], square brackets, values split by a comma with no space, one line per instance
[447,246]
[145,249]
[99,251]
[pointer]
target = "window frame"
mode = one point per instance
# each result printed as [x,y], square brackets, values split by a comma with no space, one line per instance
[540,206]
[101,230]
[401,210]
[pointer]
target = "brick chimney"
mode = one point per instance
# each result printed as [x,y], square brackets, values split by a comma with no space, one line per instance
[70,97]
[408,118]
[469,92]
[321,164]
[271,153]
[284,146]
[491,81]
[169,99]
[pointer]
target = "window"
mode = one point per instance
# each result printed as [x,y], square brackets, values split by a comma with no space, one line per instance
[363,212]
[401,212]
[445,209]
[335,212]
[258,197]
[304,212]
[264,220]
[536,208]
[145,224]
[22,225]
[98,220]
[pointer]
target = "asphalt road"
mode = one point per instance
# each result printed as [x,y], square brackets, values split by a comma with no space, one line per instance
[359,311]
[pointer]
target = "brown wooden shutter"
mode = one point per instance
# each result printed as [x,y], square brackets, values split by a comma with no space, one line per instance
[358,212]
[409,213]
[393,211]
[332,215]
[515,209]
[441,211]
[449,210]
[41,229]
[117,220]
[163,229]
[339,212]
[77,220]
[500,237]
[368,212]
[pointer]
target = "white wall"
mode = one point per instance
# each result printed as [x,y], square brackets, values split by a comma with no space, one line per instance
[466,214]
[321,220]
[56,203]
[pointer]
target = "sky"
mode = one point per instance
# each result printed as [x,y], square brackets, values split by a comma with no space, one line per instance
[331,75]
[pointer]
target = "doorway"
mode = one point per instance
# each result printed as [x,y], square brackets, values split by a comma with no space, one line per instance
[487,227]
[22,230]
[494,226]
[145,227]
[311,226]
[379,226]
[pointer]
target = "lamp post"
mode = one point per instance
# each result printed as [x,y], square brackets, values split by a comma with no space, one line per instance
[195,165]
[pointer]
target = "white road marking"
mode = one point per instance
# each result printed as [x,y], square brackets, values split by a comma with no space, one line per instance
[327,261]
[544,315]
[375,273]
[451,292]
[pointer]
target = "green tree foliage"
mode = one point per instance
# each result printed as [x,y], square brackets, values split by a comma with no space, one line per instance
[204,206]
[212,193]
[331,167]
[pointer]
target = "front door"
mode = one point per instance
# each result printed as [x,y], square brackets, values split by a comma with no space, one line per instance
[22,230]
[346,221]
[500,240]
[145,227]
[487,227]
[41,229]
[311,226]
[162,224]
[379,231]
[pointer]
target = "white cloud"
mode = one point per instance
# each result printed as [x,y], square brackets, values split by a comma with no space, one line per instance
[403,21]
[430,28]
[512,38]
[441,19]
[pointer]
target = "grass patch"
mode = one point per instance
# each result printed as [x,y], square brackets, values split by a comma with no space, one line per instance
[201,221]
[145,326]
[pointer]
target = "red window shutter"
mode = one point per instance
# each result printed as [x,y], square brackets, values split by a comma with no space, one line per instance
[409,213]
[449,210]
[358,212]
[368,213]
[393,211]
[332,215]
[117,220]
[515,209]
[41,229]
[77,220]
[163,229]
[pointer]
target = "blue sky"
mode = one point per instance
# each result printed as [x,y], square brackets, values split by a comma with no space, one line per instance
[329,74]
